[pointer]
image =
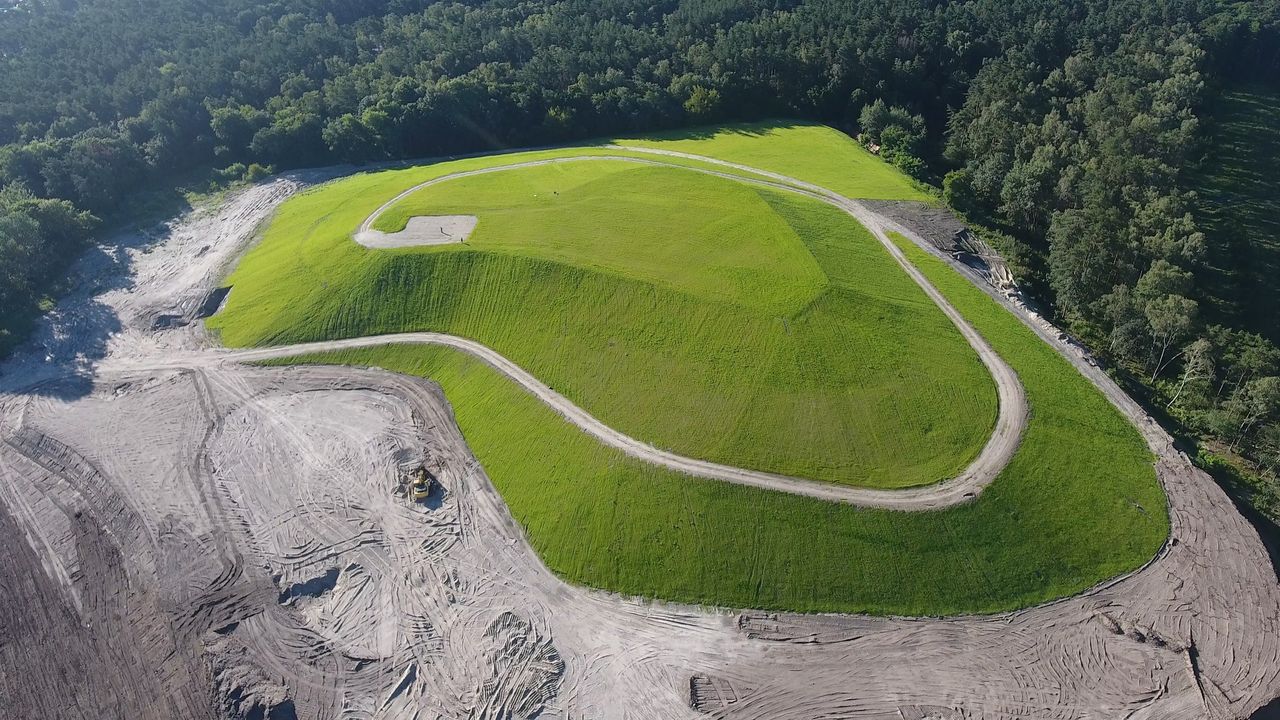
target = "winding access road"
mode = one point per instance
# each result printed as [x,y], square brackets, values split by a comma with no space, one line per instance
[995,455]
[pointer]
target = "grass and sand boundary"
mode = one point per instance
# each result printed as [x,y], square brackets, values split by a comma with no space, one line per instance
[1079,503]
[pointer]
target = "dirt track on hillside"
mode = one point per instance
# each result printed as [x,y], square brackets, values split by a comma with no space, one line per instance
[226,541]
[961,489]
[995,455]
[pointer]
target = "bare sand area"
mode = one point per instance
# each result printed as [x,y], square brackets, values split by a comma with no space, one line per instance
[224,541]
[420,230]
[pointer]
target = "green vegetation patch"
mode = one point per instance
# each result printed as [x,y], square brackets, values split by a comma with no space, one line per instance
[708,317]
[695,233]
[1078,504]
[813,153]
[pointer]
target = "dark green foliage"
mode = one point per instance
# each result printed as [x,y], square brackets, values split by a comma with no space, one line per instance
[1240,208]
[1228,390]
[898,134]
[1259,491]
[38,239]
[1081,159]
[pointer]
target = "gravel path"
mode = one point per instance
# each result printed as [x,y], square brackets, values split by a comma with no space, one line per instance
[420,231]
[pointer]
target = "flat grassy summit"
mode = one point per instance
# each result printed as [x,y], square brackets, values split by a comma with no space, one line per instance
[813,153]
[693,233]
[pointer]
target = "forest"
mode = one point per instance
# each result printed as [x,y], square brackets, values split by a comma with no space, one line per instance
[1076,136]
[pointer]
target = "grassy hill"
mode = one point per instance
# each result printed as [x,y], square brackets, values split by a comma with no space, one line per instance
[709,317]
[1079,502]
[695,234]
[1240,208]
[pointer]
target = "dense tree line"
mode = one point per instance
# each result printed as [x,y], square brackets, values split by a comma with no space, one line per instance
[33,231]
[1084,164]
[1066,128]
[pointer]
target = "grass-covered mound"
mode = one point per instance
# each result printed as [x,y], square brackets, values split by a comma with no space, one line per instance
[1078,504]
[713,318]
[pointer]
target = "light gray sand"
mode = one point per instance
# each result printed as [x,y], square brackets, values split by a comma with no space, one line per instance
[420,230]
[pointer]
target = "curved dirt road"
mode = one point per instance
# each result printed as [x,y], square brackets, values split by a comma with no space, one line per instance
[995,455]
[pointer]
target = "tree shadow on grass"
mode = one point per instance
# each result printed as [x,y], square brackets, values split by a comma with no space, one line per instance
[759,128]
[1237,208]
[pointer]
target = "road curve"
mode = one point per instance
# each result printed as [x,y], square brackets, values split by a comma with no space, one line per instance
[995,455]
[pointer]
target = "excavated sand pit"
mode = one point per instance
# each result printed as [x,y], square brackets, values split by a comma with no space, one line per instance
[209,540]
[259,513]
[421,230]
[263,514]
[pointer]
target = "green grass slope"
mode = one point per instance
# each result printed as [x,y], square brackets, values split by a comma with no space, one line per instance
[813,153]
[1240,208]
[717,239]
[708,317]
[1078,504]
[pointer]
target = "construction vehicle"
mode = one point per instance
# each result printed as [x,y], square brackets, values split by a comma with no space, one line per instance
[420,487]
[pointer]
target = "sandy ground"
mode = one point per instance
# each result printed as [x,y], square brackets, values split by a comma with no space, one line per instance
[228,541]
[419,230]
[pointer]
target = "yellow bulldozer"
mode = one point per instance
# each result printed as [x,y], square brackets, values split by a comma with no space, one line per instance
[420,486]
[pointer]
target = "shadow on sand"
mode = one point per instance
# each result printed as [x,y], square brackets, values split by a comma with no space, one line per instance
[58,357]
